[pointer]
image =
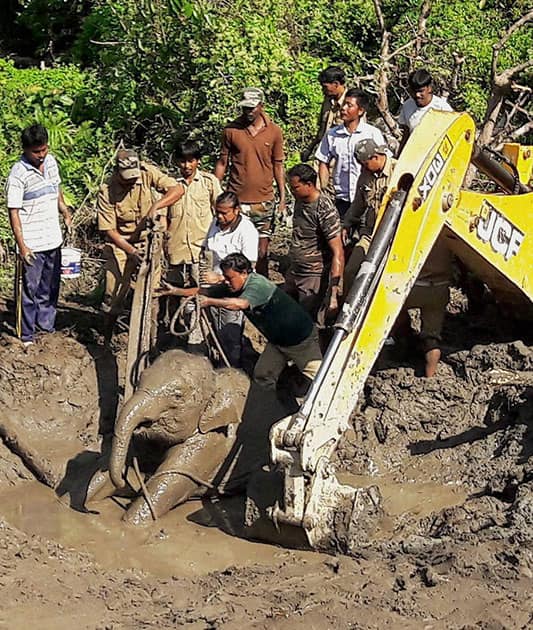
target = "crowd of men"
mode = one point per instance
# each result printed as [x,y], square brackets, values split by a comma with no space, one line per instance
[227,218]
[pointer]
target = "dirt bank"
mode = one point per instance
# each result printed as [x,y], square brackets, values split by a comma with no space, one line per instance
[453,457]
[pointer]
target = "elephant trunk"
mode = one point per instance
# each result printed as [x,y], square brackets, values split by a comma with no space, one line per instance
[141,407]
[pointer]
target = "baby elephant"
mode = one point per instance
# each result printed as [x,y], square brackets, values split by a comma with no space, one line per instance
[183,404]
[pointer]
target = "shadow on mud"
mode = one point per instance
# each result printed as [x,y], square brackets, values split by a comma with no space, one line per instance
[508,414]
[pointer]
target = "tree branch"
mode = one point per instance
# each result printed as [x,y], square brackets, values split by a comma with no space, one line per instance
[504,78]
[425,11]
[497,47]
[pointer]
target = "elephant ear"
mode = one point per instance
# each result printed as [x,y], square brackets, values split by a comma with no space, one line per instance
[226,405]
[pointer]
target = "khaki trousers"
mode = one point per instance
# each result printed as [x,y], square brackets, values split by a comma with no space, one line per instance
[305,355]
[118,274]
[119,270]
[353,264]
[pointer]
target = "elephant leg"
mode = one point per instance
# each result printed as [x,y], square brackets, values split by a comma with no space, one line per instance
[179,476]
[100,485]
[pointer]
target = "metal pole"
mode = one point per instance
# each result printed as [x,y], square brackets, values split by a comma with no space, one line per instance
[353,309]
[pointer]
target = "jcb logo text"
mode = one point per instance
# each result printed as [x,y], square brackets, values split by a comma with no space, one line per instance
[503,236]
[430,176]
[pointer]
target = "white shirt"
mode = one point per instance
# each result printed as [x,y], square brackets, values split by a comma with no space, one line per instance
[36,196]
[339,144]
[243,239]
[411,114]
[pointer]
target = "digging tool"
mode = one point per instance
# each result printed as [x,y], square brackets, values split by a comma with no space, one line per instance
[489,233]
[18,296]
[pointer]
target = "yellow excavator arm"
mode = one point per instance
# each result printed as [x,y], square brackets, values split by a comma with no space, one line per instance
[489,232]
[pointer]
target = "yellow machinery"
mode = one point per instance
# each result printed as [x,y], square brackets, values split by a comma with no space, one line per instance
[490,233]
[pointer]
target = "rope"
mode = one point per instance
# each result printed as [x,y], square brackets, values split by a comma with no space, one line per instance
[211,333]
[184,473]
[144,488]
[179,316]
[198,318]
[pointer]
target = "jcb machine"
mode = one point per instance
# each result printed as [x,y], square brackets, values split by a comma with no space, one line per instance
[490,233]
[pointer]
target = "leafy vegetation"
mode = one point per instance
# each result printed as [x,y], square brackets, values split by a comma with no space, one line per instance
[150,72]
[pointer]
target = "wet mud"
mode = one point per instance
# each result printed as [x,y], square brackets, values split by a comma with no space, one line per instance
[453,547]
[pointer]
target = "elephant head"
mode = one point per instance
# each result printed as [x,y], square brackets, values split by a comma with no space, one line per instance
[178,395]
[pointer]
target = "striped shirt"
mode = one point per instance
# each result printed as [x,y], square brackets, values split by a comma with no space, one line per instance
[36,196]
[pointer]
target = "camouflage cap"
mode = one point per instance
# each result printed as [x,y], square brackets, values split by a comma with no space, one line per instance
[251,97]
[366,149]
[128,164]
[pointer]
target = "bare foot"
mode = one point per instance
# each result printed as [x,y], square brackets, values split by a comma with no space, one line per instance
[432,359]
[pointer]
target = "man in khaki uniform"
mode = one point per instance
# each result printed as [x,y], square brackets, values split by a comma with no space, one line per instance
[430,292]
[333,83]
[190,217]
[124,203]
[359,220]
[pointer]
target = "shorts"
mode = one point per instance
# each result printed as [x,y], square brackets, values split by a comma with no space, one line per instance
[432,301]
[262,216]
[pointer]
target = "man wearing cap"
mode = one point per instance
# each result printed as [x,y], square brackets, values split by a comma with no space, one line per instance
[338,146]
[359,220]
[430,292]
[253,147]
[124,204]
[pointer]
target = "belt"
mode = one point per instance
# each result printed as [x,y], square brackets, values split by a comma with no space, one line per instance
[431,283]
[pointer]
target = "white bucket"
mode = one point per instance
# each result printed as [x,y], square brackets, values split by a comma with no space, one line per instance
[70,262]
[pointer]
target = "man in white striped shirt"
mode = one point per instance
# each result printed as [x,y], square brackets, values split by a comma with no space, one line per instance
[34,200]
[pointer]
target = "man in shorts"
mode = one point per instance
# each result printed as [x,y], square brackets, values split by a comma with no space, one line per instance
[252,147]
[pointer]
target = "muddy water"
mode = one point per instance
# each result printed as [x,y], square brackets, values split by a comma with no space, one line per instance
[192,539]
[188,541]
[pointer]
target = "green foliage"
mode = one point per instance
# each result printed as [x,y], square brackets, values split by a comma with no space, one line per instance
[162,70]
[180,67]
[53,24]
[462,27]
[58,98]
[175,68]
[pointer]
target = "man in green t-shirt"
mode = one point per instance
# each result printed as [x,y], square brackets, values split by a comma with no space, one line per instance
[288,328]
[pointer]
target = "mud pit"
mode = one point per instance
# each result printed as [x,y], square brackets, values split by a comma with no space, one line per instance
[453,458]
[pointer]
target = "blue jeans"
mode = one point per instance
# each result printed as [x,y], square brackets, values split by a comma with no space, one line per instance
[40,291]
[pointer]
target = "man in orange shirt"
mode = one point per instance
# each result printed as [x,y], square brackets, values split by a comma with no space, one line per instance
[252,146]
